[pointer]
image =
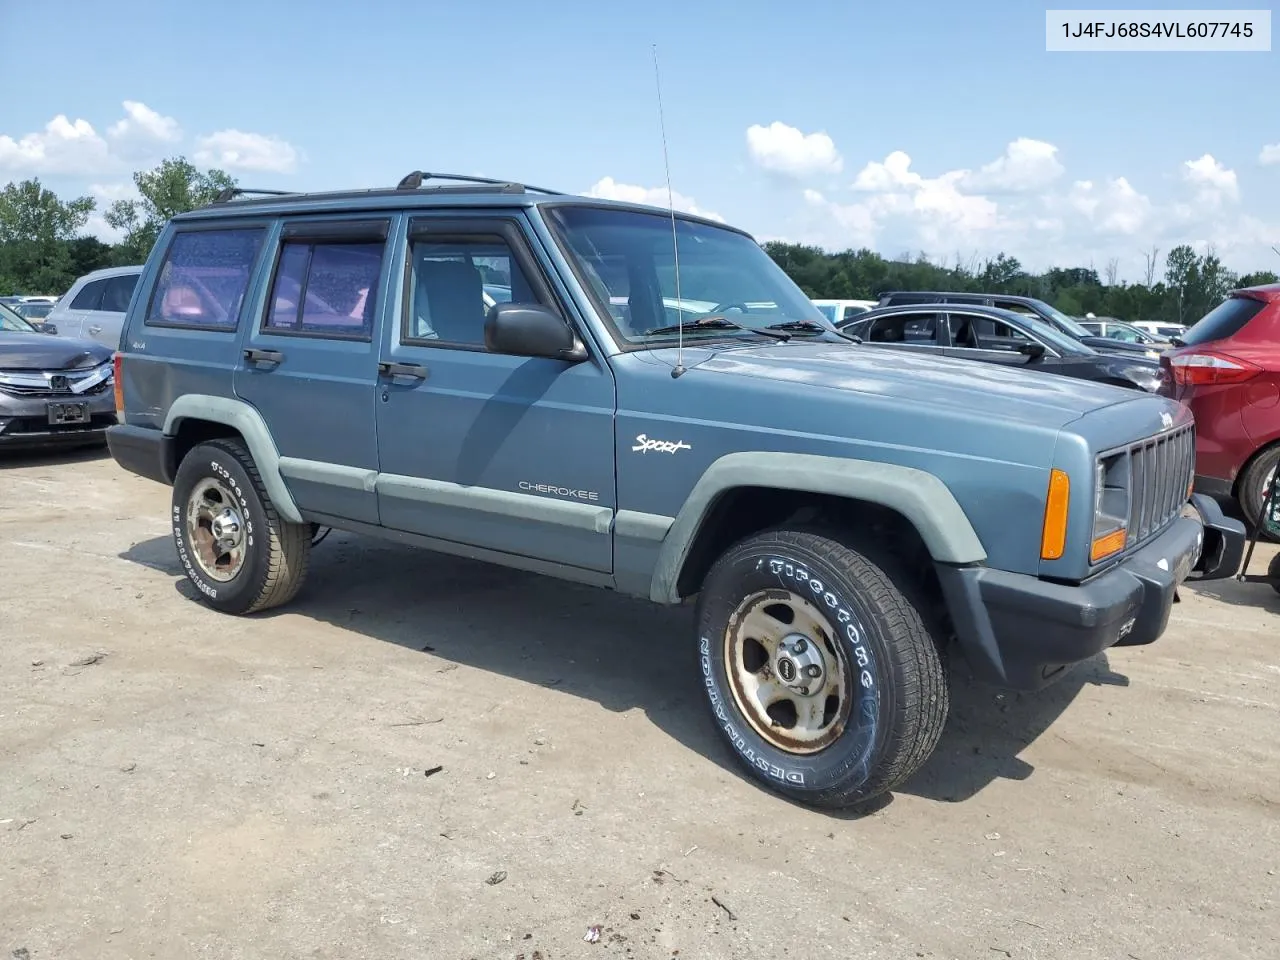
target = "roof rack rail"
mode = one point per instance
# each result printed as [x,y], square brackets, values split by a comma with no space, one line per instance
[230,193]
[414,180]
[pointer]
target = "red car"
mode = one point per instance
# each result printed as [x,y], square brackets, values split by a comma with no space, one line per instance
[1226,368]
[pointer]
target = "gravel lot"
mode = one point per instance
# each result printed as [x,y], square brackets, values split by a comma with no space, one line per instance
[178,783]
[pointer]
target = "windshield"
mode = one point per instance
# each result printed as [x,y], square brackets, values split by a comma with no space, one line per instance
[1051,335]
[10,321]
[34,311]
[1071,326]
[625,258]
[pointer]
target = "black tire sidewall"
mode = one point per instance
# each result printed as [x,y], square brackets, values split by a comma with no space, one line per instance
[857,752]
[1252,488]
[209,461]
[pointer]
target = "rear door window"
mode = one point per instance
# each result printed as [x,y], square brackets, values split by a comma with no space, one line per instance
[326,289]
[1225,320]
[918,329]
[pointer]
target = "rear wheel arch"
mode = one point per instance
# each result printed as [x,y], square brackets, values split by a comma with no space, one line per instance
[200,416]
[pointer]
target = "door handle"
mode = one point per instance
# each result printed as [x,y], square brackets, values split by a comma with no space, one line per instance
[95,329]
[415,370]
[254,355]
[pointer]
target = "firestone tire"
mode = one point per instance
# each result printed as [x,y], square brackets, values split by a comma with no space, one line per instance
[232,544]
[895,697]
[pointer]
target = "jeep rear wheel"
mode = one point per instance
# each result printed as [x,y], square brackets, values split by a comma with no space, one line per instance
[819,669]
[232,544]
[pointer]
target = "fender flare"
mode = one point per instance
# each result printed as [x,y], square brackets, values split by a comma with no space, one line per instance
[248,421]
[919,496]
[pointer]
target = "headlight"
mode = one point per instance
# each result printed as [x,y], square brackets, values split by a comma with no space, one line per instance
[1110,507]
[1145,377]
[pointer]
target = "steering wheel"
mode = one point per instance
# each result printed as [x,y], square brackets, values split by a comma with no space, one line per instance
[722,307]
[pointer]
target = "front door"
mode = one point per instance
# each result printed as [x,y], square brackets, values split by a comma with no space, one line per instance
[309,363]
[507,453]
[979,337]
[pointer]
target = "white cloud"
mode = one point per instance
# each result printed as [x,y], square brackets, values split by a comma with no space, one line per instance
[1113,206]
[779,148]
[143,123]
[1270,154]
[63,147]
[1026,165]
[237,150]
[849,226]
[937,203]
[610,189]
[1214,183]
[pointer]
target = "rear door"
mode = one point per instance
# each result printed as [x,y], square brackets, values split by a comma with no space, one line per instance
[105,322]
[88,298]
[309,363]
[915,331]
[507,453]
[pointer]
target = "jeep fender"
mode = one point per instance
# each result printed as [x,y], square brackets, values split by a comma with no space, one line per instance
[248,421]
[921,497]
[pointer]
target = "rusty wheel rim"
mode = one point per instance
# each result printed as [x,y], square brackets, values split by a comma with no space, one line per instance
[216,530]
[787,671]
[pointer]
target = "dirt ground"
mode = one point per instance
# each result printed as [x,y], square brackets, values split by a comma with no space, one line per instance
[178,783]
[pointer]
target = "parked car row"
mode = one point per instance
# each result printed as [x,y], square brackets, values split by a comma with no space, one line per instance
[1225,367]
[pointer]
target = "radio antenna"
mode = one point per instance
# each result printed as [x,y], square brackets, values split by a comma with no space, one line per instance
[678,369]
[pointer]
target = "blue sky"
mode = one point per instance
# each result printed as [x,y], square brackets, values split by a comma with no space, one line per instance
[924,126]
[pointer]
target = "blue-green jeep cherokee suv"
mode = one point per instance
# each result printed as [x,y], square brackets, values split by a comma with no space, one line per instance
[647,403]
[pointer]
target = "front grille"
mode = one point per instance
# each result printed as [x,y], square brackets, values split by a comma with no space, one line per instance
[1160,472]
[24,390]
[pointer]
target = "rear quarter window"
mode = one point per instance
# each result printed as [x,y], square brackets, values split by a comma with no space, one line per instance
[204,277]
[1225,320]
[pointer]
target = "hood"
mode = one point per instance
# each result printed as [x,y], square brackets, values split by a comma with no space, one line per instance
[980,389]
[39,351]
[1114,347]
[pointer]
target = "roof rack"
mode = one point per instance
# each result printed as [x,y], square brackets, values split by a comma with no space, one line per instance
[230,193]
[414,180]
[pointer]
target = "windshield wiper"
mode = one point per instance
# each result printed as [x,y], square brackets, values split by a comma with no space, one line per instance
[797,325]
[717,323]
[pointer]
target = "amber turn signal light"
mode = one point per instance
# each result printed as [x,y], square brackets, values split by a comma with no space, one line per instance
[1107,544]
[1053,538]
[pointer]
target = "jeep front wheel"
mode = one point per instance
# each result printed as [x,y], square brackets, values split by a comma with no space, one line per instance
[232,544]
[819,669]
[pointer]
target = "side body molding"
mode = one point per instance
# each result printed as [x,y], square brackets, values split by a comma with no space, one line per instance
[247,420]
[919,496]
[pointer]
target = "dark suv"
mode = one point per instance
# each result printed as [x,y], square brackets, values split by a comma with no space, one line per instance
[842,515]
[998,336]
[1027,305]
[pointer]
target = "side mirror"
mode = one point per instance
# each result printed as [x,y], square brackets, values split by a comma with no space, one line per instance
[1032,351]
[530,330]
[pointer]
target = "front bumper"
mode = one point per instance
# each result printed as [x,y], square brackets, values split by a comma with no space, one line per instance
[1021,632]
[24,421]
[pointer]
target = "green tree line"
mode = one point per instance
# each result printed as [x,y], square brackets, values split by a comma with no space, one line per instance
[1182,289]
[43,249]
[43,246]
